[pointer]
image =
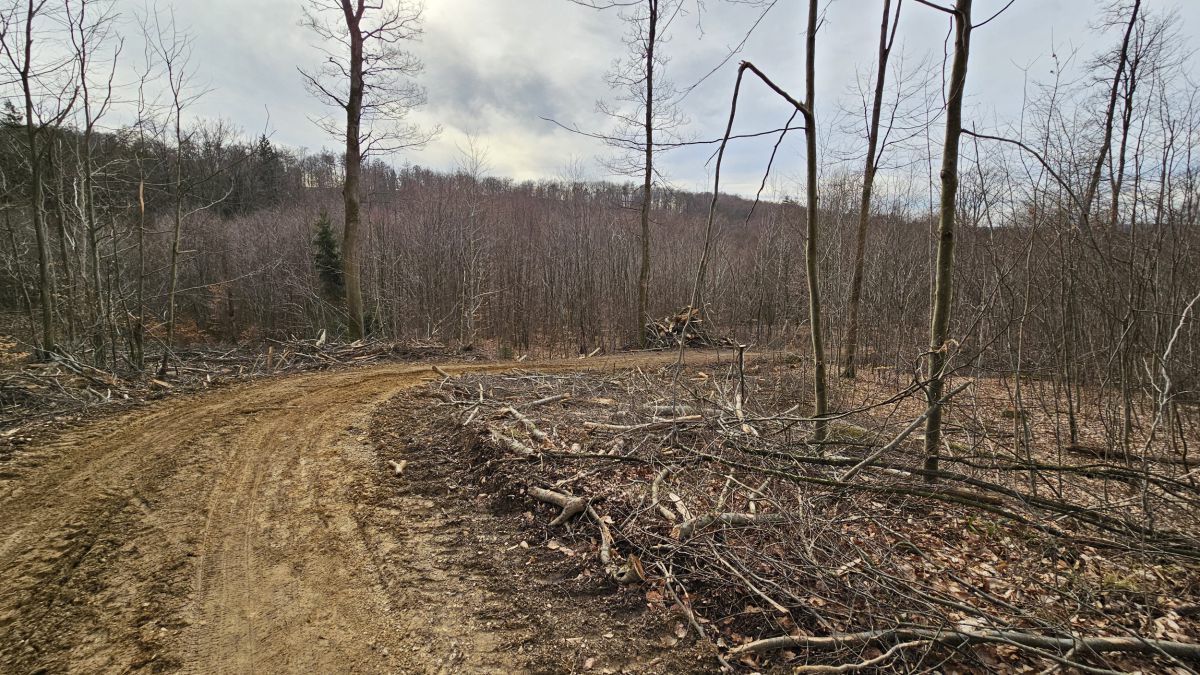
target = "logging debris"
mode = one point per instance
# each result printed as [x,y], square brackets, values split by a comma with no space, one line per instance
[36,395]
[685,327]
[841,556]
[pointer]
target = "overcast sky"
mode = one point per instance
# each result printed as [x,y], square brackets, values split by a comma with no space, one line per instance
[494,68]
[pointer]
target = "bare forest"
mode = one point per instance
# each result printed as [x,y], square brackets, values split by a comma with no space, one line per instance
[925,397]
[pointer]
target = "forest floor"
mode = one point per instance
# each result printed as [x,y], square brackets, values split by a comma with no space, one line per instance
[255,529]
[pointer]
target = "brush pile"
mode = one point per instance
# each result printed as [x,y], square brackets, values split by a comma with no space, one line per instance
[712,495]
[684,327]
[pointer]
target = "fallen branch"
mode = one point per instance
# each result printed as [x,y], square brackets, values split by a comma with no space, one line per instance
[648,426]
[510,443]
[545,401]
[1096,645]
[538,435]
[668,579]
[854,470]
[757,591]
[852,667]
[690,527]
[571,506]
[654,499]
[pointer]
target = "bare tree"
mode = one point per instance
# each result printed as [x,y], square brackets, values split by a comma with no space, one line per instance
[49,98]
[368,76]
[940,344]
[173,50]
[811,251]
[89,32]
[887,37]
[638,80]
[144,120]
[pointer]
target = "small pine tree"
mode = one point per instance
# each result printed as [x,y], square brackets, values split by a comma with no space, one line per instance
[11,118]
[328,260]
[269,174]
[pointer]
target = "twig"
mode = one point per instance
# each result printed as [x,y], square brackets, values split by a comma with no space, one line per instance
[851,667]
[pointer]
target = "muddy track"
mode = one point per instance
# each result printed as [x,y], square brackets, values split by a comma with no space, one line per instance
[209,533]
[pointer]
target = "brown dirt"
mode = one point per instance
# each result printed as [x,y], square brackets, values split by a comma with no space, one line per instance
[254,529]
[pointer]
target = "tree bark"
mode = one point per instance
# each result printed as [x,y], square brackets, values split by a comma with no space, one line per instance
[101,319]
[943,293]
[350,186]
[177,233]
[643,314]
[45,280]
[139,326]
[811,254]
[864,210]
[57,164]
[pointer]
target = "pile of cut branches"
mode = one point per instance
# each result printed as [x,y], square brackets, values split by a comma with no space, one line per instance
[686,326]
[707,493]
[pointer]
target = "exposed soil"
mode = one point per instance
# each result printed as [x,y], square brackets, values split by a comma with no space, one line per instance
[255,529]
[519,599]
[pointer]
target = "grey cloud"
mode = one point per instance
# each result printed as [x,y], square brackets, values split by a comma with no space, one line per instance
[493,67]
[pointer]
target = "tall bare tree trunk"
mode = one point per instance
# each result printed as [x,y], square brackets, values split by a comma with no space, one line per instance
[939,338]
[64,242]
[1093,184]
[26,299]
[350,187]
[177,233]
[1070,375]
[45,281]
[36,197]
[92,227]
[139,326]
[864,210]
[643,313]
[811,254]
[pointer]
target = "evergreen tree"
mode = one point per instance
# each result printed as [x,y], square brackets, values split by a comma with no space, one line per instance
[10,117]
[269,173]
[328,260]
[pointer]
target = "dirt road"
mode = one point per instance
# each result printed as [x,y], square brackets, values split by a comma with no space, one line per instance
[211,533]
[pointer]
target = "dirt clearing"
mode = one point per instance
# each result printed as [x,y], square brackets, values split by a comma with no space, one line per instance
[250,530]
